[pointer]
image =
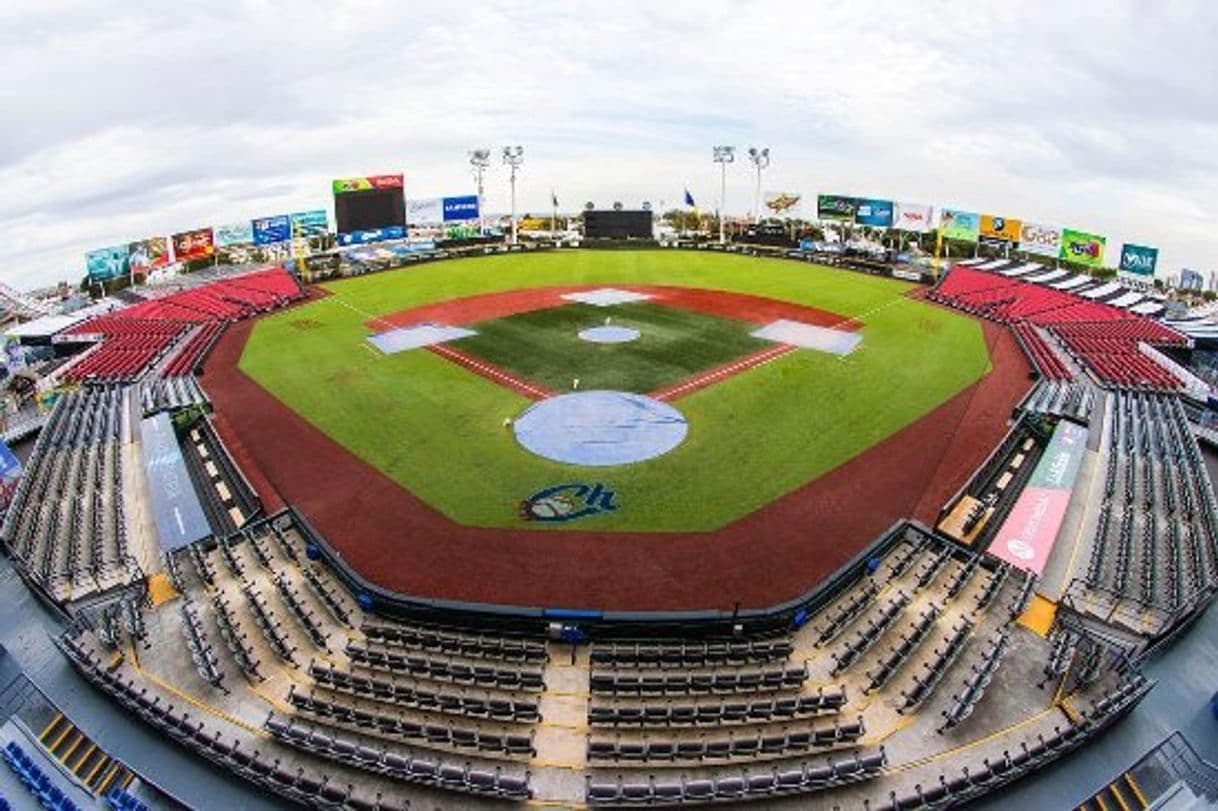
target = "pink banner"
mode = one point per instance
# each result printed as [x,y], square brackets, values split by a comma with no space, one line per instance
[1027,536]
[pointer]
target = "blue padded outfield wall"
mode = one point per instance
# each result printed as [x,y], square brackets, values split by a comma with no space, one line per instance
[176,510]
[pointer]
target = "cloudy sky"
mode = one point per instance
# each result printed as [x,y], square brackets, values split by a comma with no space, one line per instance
[135,118]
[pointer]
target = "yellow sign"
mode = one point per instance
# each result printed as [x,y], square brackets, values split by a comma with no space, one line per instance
[1000,227]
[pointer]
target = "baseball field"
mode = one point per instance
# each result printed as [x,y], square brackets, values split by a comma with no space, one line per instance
[437,427]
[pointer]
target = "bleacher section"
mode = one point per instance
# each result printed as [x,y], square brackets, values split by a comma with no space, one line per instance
[66,527]
[1099,336]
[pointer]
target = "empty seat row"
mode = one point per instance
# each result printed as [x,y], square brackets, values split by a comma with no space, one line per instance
[690,653]
[769,678]
[865,637]
[387,689]
[746,785]
[763,744]
[975,683]
[845,613]
[513,649]
[400,765]
[723,712]
[943,657]
[445,670]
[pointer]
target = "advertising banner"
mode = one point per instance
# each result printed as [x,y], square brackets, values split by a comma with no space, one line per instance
[1139,259]
[781,203]
[10,475]
[108,263]
[1041,240]
[427,211]
[196,244]
[961,225]
[306,224]
[999,229]
[1082,248]
[1027,536]
[148,253]
[1191,280]
[269,230]
[912,217]
[459,209]
[835,207]
[236,233]
[876,213]
[373,235]
[350,184]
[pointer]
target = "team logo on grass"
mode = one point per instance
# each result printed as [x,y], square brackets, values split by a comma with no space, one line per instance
[566,502]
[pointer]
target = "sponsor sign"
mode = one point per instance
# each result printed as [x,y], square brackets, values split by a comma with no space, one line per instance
[781,203]
[196,244]
[237,233]
[567,502]
[349,184]
[1041,240]
[306,224]
[373,235]
[427,211]
[908,274]
[912,217]
[807,245]
[961,225]
[459,209]
[998,230]
[10,476]
[835,207]
[1082,248]
[1139,259]
[108,263]
[1191,280]
[877,213]
[148,253]
[269,230]
[1027,536]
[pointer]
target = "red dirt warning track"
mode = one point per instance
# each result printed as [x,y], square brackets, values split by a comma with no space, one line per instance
[771,555]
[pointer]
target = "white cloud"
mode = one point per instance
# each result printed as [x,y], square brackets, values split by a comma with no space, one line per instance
[141,118]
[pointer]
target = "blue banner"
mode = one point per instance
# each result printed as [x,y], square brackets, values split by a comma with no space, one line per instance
[374,235]
[461,208]
[10,476]
[1191,280]
[269,230]
[307,224]
[1139,259]
[877,213]
[108,263]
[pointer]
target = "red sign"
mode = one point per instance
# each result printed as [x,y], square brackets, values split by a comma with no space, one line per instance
[386,181]
[196,244]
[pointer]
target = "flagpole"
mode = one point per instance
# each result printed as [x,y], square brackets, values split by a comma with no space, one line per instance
[554,216]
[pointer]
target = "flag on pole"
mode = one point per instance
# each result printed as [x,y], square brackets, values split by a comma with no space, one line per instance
[689,200]
[553,199]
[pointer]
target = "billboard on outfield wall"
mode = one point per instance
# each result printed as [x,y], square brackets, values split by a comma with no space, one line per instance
[781,203]
[1042,240]
[104,264]
[235,233]
[912,217]
[999,229]
[461,209]
[346,185]
[197,244]
[425,211]
[876,213]
[1139,259]
[962,225]
[306,224]
[269,230]
[372,235]
[146,254]
[1082,248]
[1191,280]
[835,207]
[1027,536]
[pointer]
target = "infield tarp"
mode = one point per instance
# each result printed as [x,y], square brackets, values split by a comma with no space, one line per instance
[1027,536]
[176,511]
[419,335]
[809,336]
[600,428]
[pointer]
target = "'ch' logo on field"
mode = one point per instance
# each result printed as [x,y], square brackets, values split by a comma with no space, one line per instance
[566,502]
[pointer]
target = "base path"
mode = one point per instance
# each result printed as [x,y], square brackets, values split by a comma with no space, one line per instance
[768,556]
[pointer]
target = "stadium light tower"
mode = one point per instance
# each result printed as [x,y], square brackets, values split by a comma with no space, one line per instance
[513,156]
[479,160]
[760,158]
[723,155]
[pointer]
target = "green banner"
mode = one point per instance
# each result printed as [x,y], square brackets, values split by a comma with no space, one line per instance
[962,225]
[1082,248]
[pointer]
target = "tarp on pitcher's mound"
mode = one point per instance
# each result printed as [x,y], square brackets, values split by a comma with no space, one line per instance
[600,428]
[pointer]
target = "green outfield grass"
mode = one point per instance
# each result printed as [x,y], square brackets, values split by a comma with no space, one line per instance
[437,429]
[544,346]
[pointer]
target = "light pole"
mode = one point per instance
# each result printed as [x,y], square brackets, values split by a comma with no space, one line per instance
[760,158]
[723,155]
[479,160]
[513,156]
